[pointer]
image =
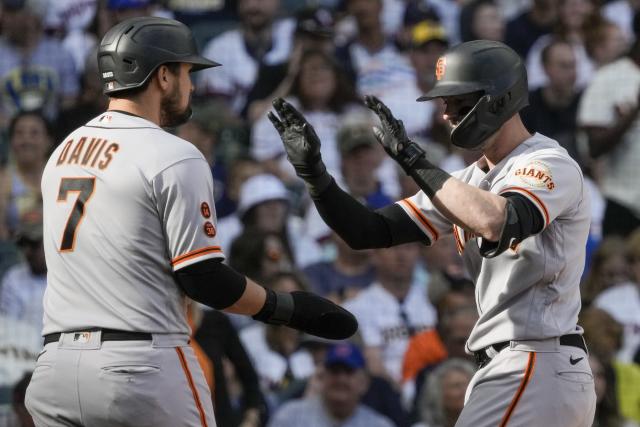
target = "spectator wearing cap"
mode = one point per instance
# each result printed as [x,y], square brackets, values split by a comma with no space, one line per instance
[343,383]
[36,72]
[314,31]
[523,30]
[264,205]
[260,39]
[429,42]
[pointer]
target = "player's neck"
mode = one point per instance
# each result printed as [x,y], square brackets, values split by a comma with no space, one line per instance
[510,135]
[136,107]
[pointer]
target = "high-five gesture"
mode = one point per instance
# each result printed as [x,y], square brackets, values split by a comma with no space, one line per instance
[301,144]
[392,135]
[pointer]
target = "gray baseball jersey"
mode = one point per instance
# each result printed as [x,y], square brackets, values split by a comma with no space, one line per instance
[125,205]
[530,291]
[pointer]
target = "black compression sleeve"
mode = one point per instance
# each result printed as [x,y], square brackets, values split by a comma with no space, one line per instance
[212,283]
[361,227]
[529,217]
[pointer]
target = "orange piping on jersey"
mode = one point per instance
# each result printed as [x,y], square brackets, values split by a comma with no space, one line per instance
[192,386]
[535,198]
[528,373]
[194,254]
[423,219]
[456,236]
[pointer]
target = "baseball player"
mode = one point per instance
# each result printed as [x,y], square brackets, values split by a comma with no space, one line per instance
[129,230]
[520,218]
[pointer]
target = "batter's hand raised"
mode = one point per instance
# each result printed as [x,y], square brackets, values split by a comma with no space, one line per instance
[392,135]
[302,146]
[299,138]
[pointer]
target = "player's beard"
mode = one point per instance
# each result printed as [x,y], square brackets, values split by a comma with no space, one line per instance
[170,113]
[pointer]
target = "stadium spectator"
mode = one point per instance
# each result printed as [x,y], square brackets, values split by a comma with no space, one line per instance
[622,302]
[344,276]
[264,205]
[219,341]
[392,310]
[609,267]
[553,107]
[343,384]
[605,42]
[314,31]
[607,411]
[36,72]
[324,94]
[442,397]
[283,367]
[523,30]
[608,113]
[481,19]
[23,417]
[574,18]
[380,68]
[428,41]
[259,39]
[621,12]
[30,144]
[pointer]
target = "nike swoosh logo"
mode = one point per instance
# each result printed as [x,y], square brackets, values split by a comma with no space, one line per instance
[574,361]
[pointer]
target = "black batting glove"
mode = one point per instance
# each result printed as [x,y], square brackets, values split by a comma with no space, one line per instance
[393,137]
[299,138]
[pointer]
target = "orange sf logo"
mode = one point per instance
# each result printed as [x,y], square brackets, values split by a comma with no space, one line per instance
[440,67]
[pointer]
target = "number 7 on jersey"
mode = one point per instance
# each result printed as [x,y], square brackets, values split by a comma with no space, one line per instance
[85,187]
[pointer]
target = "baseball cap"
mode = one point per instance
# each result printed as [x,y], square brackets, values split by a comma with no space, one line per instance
[315,21]
[345,354]
[127,4]
[354,135]
[428,31]
[417,11]
[259,189]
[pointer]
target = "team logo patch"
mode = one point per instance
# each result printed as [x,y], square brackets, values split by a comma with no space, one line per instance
[441,66]
[536,174]
[209,229]
[204,210]
[106,118]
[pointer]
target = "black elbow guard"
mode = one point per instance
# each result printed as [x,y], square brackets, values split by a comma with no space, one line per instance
[522,220]
[309,313]
[212,283]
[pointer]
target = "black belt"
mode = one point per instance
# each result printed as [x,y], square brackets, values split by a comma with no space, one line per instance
[482,357]
[107,335]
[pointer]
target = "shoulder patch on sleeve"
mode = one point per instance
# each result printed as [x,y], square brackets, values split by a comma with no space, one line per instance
[536,174]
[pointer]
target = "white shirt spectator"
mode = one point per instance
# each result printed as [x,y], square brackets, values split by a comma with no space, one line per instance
[622,302]
[239,69]
[382,325]
[535,71]
[270,365]
[21,295]
[615,84]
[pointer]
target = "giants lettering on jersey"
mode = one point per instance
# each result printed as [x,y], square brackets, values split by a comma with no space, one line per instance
[536,174]
[94,152]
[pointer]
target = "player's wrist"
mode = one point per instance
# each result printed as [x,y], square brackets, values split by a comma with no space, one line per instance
[429,177]
[315,175]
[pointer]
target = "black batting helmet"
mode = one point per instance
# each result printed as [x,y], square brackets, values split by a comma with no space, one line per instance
[132,50]
[491,68]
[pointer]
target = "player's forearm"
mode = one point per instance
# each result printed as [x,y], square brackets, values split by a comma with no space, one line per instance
[251,301]
[471,208]
[603,140]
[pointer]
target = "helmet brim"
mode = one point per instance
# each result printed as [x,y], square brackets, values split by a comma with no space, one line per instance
[200,62]
[450,89]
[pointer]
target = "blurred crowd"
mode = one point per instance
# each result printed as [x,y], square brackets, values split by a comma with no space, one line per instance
[407,366]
